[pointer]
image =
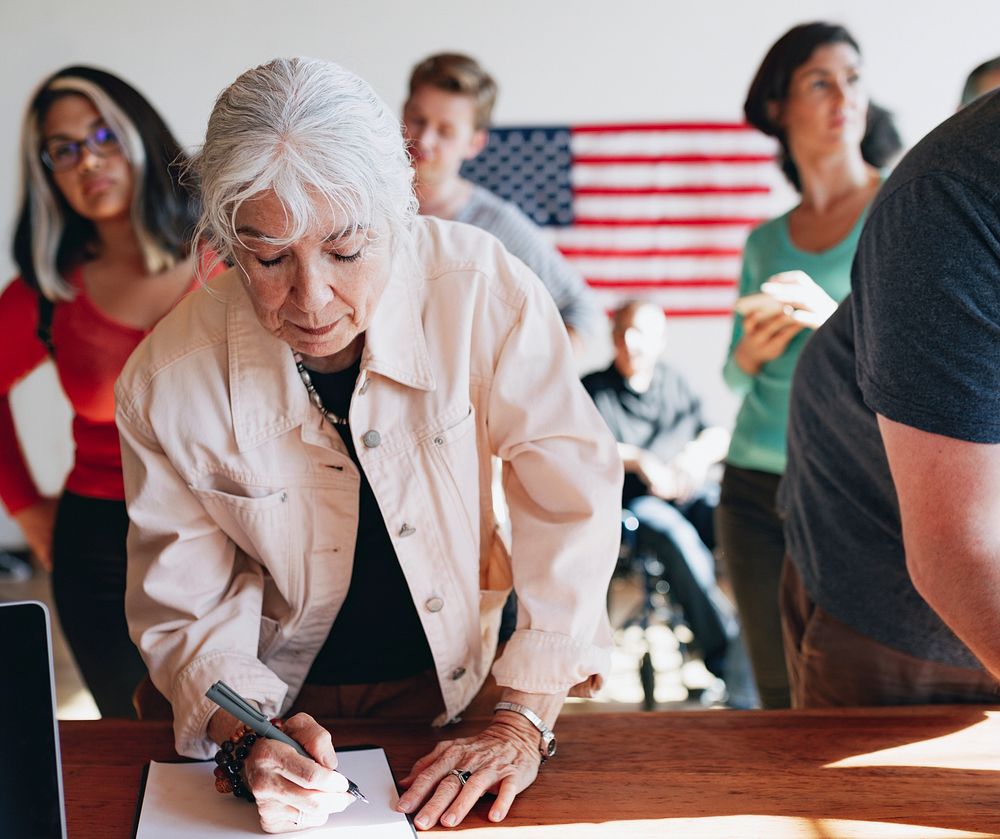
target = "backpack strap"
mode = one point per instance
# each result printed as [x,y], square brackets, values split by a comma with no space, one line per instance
[46,308]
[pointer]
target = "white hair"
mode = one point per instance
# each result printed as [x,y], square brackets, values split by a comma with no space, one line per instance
[303,127]
[46,212]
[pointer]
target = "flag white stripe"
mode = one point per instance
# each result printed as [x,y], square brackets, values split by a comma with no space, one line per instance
[681,298]
[672,142]
[647,238]
[675,268]
[672,206]
[674,174]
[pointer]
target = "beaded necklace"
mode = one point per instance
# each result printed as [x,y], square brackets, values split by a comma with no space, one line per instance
[314,397]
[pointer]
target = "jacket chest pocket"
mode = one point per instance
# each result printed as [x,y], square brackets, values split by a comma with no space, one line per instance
[259,525]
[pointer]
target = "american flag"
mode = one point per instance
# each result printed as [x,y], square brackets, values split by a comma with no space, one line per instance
[659,212]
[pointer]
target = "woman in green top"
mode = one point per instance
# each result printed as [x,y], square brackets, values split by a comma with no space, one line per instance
[809,94]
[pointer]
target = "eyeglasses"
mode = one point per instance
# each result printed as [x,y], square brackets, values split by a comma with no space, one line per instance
[63,155]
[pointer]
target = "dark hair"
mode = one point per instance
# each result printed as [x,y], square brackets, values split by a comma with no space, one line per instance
[881,142]
[457,73]
[971,90]
[165,208]
[770,85]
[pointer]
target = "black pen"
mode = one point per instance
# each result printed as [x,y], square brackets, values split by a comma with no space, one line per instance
[229,700]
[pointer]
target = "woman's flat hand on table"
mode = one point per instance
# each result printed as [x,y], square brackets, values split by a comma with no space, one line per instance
[503,760]
[295,792]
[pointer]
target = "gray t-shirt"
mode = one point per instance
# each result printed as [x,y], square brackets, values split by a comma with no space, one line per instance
[522,238]
[918,341]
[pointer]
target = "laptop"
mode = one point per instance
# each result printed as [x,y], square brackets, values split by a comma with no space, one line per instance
[31,791]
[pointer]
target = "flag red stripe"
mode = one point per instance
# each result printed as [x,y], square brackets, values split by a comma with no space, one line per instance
[698,313]
[639,253]
[671,190]
[664,126]
[639,285]
[687,159]
[667,222]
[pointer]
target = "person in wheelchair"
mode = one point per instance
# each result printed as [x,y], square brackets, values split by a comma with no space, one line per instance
[668,450]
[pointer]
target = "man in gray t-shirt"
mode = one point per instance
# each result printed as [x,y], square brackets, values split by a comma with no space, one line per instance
[892,492]
[446,119]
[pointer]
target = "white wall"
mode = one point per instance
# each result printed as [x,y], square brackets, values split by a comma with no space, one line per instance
[557,61]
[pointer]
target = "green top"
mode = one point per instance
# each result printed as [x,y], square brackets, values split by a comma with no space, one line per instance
[759,437]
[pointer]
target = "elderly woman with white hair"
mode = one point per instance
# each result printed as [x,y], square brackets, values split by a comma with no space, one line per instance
[307,448]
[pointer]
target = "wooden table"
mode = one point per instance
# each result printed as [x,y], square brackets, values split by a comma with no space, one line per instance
[927,772]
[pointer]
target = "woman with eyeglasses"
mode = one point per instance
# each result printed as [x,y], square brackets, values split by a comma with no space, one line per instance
[102,244]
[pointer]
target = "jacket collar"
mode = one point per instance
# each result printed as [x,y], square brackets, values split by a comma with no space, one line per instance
[395,345]
[266,395]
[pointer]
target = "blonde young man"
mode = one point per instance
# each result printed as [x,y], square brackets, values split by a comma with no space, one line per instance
[446,117]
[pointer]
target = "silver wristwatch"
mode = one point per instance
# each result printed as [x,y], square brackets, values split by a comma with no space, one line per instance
[547,746]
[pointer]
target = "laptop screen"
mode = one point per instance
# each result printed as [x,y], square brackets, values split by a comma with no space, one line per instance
[30,778]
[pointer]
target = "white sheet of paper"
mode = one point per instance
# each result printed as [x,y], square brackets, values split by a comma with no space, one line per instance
[180,800]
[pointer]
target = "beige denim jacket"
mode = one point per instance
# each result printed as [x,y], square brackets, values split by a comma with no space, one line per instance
[243,500]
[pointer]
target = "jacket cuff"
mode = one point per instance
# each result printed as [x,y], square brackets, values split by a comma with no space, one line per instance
[193,710]
[535,661]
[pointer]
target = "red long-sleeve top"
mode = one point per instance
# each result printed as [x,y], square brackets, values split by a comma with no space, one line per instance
[91,349]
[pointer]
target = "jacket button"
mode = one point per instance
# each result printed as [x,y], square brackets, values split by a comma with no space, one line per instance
[457,673]
[371,438]
[435,604]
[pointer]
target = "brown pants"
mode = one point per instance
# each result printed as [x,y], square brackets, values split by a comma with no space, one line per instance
[831,665]
[416,698]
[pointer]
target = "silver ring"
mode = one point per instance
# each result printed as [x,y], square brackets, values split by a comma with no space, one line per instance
[463,775]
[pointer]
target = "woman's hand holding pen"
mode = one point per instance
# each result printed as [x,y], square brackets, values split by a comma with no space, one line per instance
[503,760]
[295,792]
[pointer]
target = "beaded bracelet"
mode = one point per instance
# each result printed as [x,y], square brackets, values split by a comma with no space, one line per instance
[230,759]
